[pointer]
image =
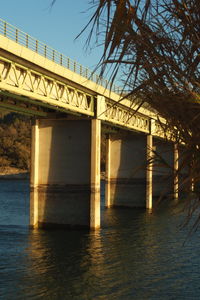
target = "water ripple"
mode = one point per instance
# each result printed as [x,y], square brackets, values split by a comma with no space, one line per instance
[134,256]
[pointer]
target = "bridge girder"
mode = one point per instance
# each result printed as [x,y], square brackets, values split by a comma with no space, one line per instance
[29,86]
[19,80]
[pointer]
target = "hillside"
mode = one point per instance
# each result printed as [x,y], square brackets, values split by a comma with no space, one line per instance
[15,144]
[15,141]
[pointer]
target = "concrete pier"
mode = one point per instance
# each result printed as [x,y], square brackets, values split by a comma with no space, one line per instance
[126,170]
[185,180]
[65,173]
[149,173]
[163,169]
[176,177]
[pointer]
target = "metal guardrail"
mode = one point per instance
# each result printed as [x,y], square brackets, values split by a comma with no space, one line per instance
[22,38]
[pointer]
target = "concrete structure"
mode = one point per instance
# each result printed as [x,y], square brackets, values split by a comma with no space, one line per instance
[65,175]
[163,170]
[126,170]
[71,105]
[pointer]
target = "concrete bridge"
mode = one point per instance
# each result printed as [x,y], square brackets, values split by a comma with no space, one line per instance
[72,107]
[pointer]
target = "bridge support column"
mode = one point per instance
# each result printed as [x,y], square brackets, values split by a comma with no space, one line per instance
[65,173]
[163,169]
[186,183]
[107,173]
[176,179]
[149,174]
[126,170]
[34,175]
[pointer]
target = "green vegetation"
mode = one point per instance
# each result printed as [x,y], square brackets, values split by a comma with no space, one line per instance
[15,141]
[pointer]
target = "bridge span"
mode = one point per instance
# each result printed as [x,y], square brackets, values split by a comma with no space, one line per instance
[72,107]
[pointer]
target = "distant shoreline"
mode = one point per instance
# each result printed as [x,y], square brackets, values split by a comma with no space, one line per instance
[13,173]
[19,176]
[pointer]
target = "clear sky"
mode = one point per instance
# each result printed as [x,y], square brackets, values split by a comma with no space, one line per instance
[57,26]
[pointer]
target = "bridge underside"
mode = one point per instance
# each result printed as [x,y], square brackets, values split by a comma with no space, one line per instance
[22,105]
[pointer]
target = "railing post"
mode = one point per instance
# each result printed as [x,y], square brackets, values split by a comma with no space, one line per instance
[45,51]
[16,35]
[61,59]
[5,29]
[36,45]
[27,41]
[86,73]
[68,64]
[53,57]
[106,83]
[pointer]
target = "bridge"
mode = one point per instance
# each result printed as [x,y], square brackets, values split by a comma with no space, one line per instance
[72,106]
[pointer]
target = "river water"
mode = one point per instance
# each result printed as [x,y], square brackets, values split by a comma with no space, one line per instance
[135,255]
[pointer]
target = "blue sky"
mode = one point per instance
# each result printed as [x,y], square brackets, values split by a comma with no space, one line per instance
[57,26]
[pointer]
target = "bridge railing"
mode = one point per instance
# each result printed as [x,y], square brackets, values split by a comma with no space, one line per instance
[24,39]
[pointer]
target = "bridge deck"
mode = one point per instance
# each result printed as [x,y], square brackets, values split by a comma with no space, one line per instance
[36,79]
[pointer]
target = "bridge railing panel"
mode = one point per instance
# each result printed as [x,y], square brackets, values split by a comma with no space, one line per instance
[11,32]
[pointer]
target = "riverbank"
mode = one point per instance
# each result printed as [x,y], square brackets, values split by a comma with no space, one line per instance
[13,173]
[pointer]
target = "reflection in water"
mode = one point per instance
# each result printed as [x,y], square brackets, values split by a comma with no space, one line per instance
[135,255]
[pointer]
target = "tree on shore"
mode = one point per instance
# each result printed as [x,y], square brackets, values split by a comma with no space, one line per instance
[154,45]
[15,141]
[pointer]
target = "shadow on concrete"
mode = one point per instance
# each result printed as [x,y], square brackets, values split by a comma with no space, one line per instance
[64,173]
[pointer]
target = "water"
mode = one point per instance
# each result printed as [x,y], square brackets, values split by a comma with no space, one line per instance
[135,255]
